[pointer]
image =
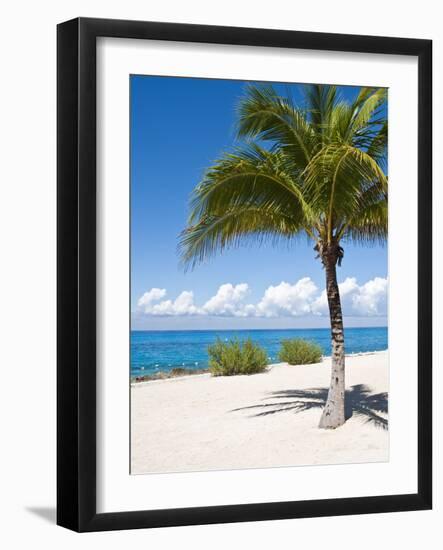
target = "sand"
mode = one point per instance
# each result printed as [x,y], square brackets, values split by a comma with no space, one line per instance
[199,422]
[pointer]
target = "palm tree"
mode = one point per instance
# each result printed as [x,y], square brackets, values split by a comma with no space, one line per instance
[318,170]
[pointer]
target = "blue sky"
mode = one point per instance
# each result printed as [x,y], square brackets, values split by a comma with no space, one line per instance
[179,126]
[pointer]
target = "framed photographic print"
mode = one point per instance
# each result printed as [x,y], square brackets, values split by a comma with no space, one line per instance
[244,274]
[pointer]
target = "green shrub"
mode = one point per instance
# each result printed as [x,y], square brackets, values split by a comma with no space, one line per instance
[299,352]
[234,357]
[178,371]
[182,371]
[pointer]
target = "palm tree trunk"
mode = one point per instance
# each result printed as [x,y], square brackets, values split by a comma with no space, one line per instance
[334,412]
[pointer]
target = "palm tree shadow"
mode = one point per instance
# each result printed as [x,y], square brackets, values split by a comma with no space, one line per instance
[359,401]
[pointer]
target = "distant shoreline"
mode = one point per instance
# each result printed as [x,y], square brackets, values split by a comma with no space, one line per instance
[154,353]
[188,373]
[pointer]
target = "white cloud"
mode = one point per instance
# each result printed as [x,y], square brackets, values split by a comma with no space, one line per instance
[371,298]
[151,296]
[347,288]
[182,305]
[367,300]
[302,298]
[228,301]
[286,299]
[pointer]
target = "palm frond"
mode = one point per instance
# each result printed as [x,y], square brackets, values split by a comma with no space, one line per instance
[234,193]
[369,225]
[365,111]
[339,180]
[322,174]
[238,226]
[377,146]
[321,100]
[264,115]
[248,176]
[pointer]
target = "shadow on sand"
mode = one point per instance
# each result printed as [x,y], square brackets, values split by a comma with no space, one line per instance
[360,401]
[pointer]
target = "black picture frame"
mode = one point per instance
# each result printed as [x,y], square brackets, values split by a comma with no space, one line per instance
[76,281]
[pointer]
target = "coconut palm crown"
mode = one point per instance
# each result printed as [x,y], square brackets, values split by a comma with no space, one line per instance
[317,170]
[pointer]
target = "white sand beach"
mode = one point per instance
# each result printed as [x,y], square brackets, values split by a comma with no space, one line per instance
[199,422]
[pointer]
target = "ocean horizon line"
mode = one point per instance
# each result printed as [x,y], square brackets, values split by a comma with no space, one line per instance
[249,329]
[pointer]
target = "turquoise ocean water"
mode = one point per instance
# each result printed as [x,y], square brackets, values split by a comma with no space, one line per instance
[154,351]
